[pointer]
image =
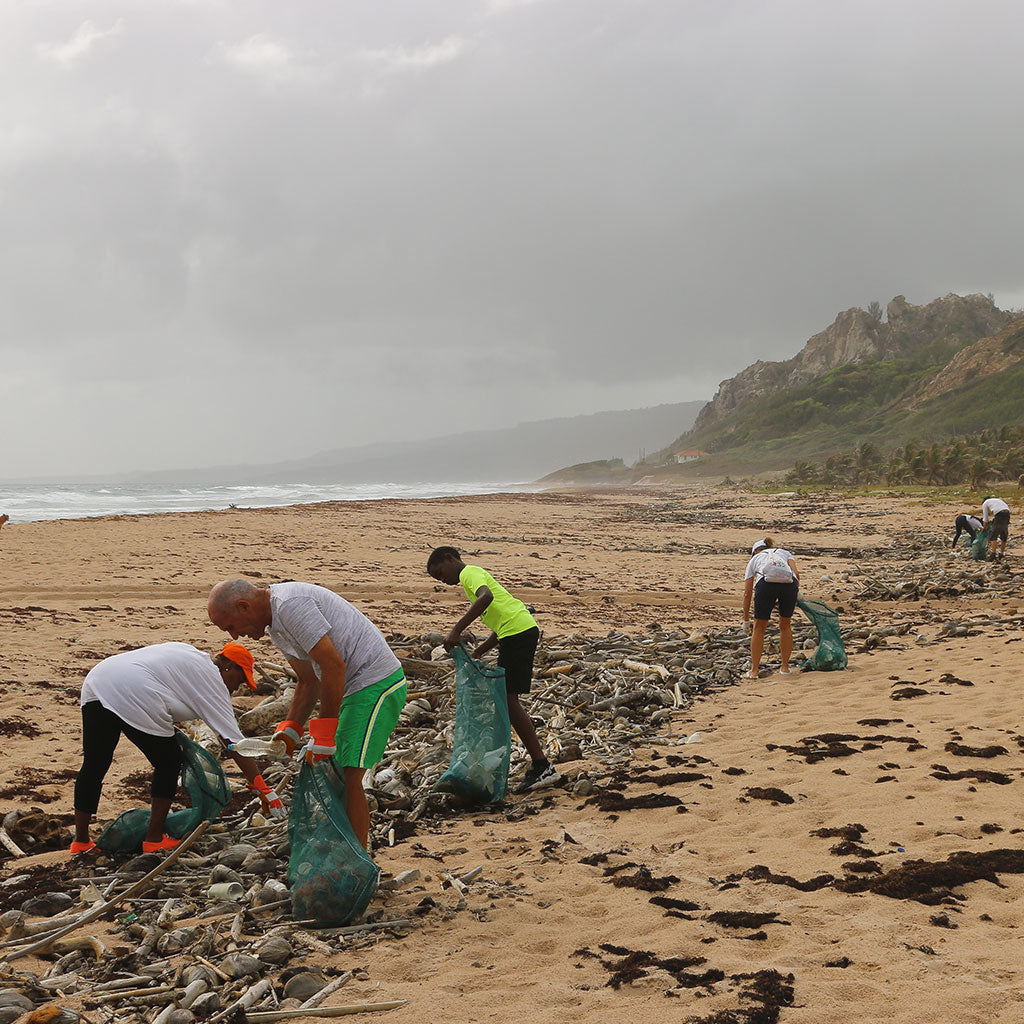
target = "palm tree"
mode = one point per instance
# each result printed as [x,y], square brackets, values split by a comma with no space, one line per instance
[933,464]
[980,471]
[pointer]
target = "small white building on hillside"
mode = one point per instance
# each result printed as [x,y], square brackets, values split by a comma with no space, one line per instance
[690,455]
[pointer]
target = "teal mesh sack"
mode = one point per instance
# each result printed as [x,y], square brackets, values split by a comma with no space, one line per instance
[208,791]
[331,877]
[483,739]
[979,547]
[830,654]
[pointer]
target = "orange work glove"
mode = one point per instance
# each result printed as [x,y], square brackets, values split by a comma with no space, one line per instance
[321,739]
[269,800]
[290,734]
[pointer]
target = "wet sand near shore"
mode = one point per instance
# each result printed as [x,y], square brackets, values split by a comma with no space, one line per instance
[777,890]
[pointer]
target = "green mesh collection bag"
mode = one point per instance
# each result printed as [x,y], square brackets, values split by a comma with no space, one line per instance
[482,743]
[979,546]
[208,791]
[830,653]
[331,876]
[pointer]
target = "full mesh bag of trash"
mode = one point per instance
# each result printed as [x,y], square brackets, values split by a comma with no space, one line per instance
[979,546]
[331,876]
[482,743]
[208,791]
[830,653]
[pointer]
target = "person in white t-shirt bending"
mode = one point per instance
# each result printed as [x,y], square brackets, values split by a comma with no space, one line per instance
[340,658]
[771,579]
[142,694]
[995,514]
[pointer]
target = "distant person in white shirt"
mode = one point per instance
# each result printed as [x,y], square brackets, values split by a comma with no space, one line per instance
[341,659]
[142,694]
[995,514]
[771,579]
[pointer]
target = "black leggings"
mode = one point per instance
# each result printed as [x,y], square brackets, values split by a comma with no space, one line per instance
[101,729]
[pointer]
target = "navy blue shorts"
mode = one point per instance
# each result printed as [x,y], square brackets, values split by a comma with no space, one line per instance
[768,595]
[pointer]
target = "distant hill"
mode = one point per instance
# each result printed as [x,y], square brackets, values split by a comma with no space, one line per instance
[519,454]
[924,372]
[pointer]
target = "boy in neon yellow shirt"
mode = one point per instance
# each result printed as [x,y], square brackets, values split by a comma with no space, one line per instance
[516,634]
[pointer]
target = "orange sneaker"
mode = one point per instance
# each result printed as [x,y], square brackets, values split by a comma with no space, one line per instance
[167,843]
[86,847]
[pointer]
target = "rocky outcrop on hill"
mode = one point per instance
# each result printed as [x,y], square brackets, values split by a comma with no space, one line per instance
[857,337]
[983,358]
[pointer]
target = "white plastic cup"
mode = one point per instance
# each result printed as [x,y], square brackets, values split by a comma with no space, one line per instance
[225,891]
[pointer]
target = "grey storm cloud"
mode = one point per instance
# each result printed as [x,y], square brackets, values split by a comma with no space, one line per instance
[388,220]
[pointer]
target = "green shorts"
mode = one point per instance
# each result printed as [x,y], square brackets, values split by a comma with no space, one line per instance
[366,721]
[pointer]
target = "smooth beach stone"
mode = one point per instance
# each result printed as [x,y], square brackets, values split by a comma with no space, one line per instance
[304,985]
[180,938]
[240,965]
[275,950]
[13,1000]
[207,1003]
[234,856]
[196,972]
[48,904]
[222,873]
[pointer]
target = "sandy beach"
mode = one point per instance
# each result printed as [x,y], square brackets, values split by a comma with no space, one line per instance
[749,902]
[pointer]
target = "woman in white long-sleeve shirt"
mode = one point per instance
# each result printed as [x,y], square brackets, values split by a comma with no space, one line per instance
[141,694]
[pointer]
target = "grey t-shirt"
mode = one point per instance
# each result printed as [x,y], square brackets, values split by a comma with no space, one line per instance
[302,614]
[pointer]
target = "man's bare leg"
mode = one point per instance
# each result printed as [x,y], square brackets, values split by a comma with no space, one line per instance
[356,806]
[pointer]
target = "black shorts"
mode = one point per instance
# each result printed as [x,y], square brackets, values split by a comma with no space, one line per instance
[1000,526]
[515,656]
[767,595]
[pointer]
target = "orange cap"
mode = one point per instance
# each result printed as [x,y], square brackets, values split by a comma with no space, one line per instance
[243,659]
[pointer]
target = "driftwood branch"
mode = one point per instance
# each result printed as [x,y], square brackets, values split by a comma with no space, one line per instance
[269,1016]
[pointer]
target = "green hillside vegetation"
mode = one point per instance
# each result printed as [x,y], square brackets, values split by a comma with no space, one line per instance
[995,454]
[856,404]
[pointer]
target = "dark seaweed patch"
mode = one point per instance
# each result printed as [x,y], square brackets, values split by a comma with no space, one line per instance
[672,778]
[963,751]
[849,832]
[769,793]
[760,873]
[863,867]
[633,964]
[907,693]
[673,904]
[769,989]
[849,849]
[15,725]
[948,677]
[615,802]
[877,723]
[930,882]
[974,773]
[743,919]
[643,879]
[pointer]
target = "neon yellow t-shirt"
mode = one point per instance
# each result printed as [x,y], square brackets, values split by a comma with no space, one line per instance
[506,615]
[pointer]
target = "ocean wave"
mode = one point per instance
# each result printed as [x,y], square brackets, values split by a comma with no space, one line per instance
[36,503]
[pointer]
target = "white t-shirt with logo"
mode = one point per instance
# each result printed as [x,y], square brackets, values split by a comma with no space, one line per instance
[302,614]
[156,686]
[757,564]
[990,506]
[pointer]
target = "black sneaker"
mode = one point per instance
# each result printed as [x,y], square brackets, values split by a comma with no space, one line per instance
[539,775]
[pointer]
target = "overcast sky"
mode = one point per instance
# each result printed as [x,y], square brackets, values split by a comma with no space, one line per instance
[248,231]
